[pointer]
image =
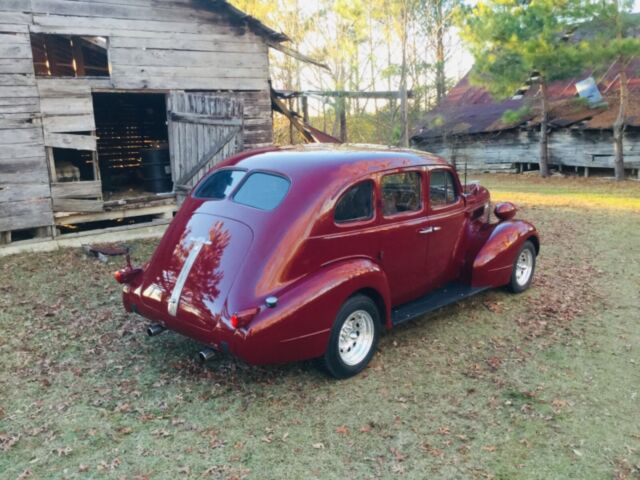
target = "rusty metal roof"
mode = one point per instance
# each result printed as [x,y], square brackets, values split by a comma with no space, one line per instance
[470,109]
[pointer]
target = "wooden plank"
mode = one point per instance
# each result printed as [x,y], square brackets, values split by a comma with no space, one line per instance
[63,87]
[17,79]
[18,120]
[12,5]
[214,71]
[20,136]
[84,189]
[15,51]
[25,214]
[75,205]
[10,91]
[66,105]
[12,65]
[69,123]
[204,120]
[140,25]
[15,39]
[18,192]
[115,11]
[211,61]
[16,18]
[221,43]
[185,82]
[13,28]
[15,152]
[69,140]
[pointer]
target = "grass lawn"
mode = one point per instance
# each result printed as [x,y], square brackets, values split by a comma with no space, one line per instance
[542,385]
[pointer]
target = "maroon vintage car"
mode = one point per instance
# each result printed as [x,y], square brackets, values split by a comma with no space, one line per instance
[286,254]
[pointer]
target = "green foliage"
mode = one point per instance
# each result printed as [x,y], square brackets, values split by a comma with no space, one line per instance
[511,39]
[516,116]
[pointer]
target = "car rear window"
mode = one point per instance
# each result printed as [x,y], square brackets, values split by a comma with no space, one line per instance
[262,190]
[355,204]
[219,184]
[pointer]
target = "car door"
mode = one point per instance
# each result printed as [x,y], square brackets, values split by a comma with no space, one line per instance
[446,220]
[402,247]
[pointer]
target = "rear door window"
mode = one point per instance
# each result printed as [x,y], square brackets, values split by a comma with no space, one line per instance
[401,193]
[442,189]
[355,204]
[262,190]
[220,184]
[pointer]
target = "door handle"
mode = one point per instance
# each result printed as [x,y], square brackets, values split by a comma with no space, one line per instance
[424,231]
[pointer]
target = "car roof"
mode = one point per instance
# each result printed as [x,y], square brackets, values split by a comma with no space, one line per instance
[352,160]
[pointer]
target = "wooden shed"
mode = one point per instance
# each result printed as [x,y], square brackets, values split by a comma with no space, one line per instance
[470,127]
[88,88]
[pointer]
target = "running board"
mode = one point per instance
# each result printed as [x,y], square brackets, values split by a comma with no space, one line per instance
[434,300]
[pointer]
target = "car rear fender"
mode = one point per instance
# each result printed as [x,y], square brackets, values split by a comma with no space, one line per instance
[300,325]
[493,264]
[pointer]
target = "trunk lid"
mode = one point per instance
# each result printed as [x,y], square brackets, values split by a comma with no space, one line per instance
[190,275]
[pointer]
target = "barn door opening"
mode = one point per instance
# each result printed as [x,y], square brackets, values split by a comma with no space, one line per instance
[204,129]
[132,145]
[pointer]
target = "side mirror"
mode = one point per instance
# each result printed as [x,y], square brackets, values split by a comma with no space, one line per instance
[505,210]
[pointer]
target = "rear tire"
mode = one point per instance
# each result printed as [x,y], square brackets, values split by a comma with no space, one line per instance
[524,267]
[354,337]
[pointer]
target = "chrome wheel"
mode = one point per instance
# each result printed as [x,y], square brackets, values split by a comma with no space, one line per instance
[356,337]
[524,267]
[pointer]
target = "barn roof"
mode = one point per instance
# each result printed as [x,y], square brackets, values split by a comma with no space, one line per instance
[470,109]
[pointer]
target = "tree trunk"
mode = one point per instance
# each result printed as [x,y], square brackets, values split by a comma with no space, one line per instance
[441,86]
[404,110]
[544,129]
[618,128]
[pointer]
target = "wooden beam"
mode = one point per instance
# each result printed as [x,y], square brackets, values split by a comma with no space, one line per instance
[70,140]
[387,94]
[297,55]
[203,119]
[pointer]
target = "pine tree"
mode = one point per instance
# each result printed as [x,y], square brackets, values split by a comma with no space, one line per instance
[515,41]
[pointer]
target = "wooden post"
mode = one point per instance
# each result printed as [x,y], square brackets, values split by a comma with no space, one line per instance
[290,123]
[586,172]
[305,109]
[343,119]
[5,238]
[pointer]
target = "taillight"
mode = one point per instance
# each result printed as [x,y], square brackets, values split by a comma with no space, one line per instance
[242,319]
[126,275]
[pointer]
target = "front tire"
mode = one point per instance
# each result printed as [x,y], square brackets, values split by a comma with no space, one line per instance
[354,337]
[523,268]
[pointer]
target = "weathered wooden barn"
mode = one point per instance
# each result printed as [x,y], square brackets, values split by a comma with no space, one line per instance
[90,88]
[470,126]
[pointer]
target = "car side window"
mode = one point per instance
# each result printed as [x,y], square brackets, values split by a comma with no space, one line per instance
[442,188]
[401,193]
[355,204]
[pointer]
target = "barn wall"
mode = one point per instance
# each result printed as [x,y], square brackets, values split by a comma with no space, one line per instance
[158,45]
[498,151]
[25,195]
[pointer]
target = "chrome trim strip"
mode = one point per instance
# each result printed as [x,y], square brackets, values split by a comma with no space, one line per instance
[172,307]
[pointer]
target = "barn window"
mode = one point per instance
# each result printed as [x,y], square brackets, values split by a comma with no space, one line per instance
[69,56]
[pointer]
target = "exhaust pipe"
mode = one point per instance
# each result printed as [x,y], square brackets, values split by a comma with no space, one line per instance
[155,329]
[206,354]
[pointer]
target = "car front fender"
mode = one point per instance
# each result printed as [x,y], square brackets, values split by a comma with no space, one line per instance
[493,264]
[298,327]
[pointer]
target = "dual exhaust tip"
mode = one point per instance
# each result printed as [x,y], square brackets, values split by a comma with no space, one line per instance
[204,354]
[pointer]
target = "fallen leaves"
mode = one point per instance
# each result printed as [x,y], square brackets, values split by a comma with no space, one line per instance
[7,441]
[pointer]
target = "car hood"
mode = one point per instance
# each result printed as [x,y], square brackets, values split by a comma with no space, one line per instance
[194,267]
